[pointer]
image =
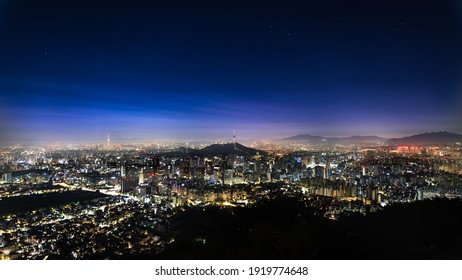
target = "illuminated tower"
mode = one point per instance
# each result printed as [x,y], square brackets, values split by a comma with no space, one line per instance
[326,170]
[234,139]
[108,140]
[312,162]
[141,177]
[123,171]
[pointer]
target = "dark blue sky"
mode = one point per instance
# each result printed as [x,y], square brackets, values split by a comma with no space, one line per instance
[74,71]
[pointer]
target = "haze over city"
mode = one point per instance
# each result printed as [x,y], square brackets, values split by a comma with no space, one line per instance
[75,71]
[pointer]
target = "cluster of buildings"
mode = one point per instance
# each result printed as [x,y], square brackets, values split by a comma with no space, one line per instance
[104,227]
[140,187]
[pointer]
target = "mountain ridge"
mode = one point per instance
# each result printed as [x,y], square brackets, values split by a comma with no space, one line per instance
[427,138]
[315,139]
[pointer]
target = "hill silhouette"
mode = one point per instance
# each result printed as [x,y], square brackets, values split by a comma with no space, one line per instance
[216,150]
[230,149]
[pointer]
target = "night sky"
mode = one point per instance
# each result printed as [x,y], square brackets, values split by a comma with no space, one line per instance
[74,71]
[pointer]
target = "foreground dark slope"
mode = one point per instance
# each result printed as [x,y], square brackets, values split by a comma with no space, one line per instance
[286,228]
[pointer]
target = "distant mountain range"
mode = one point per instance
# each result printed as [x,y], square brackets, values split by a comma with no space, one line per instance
[307,138]
[432,138]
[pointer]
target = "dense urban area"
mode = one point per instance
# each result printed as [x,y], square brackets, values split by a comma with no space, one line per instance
[116,201]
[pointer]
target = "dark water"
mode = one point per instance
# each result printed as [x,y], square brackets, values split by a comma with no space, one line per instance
[32,202]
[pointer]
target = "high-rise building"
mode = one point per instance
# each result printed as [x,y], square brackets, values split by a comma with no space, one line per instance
[319,171]
[123,171]
[128,184]
[141,177]
[7,177]
[185,168]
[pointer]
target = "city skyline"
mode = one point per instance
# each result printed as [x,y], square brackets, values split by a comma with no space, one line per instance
[287,201]
[75,71]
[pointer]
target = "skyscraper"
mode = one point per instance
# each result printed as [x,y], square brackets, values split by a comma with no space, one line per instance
[123,170]
[141,176]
